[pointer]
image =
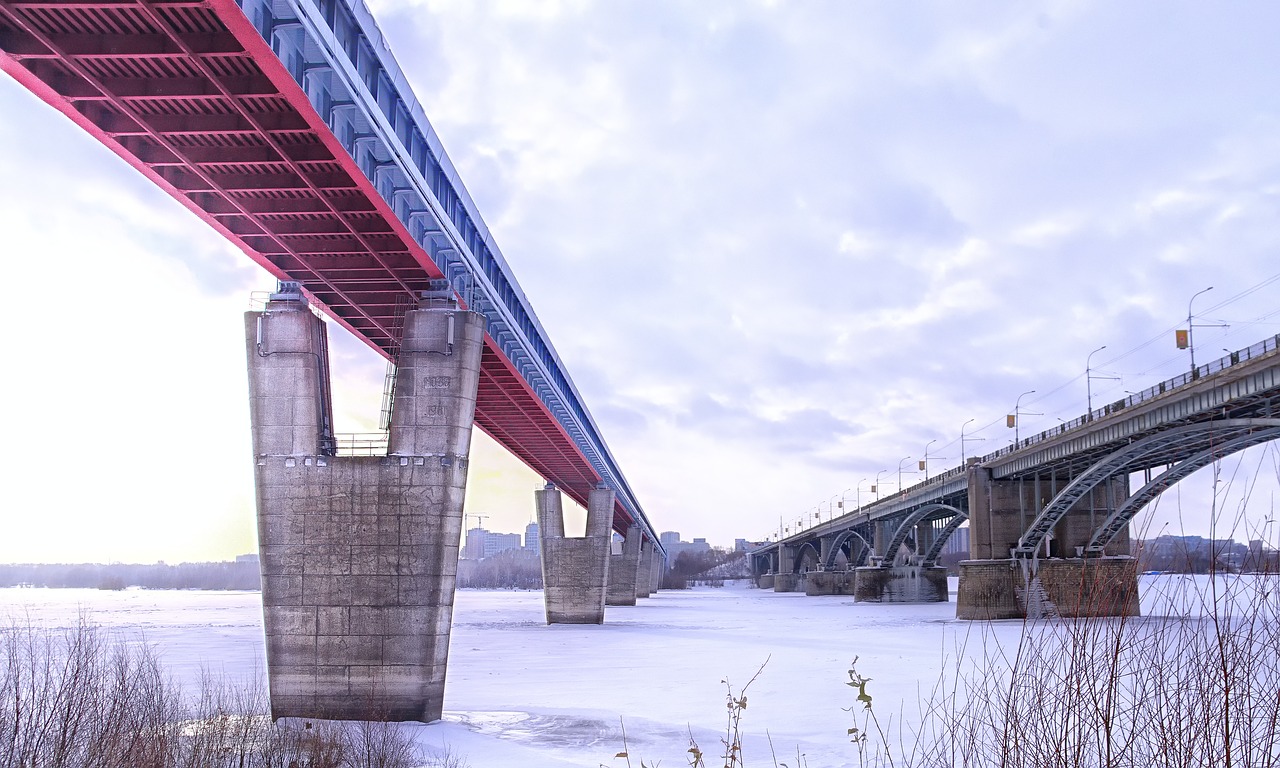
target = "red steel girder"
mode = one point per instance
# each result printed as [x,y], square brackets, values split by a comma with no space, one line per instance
[189,94]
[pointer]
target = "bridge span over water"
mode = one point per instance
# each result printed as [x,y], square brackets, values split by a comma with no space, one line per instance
[1049,515]
[288,127]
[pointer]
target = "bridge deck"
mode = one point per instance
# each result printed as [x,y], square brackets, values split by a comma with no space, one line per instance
[192,95]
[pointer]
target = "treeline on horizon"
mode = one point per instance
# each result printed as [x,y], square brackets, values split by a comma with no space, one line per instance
[241,575]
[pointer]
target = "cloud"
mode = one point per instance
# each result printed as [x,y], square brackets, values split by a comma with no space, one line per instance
[779,247]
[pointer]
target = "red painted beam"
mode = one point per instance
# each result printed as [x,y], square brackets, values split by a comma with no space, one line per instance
[192,97]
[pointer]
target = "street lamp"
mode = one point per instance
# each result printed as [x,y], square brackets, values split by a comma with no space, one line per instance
[843,495]
[925,463]
[859,492]
[964,439]
[1191,340]
[876,488]
[1088,376]
[1017,410]
[904,458]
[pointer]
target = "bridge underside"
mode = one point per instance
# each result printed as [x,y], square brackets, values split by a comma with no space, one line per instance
[192,96]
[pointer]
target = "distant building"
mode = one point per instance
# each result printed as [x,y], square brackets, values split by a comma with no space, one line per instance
[482,543]
[674,546]
[531,538]
[500,542]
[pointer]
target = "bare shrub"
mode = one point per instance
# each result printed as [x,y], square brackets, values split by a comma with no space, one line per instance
[1199,689]
[79,698]
[70,699]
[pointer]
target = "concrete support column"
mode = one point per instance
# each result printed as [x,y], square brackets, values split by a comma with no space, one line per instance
[824,549]
[624,569]
[657,568]
[575,571]
[359,553]
[644,578]
[786,579]
[923,537]
[998,509]
[880,536]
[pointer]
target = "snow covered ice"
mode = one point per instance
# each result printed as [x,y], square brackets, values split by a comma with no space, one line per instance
[520,692]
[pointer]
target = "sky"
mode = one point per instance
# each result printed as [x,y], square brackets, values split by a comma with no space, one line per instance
[782,249]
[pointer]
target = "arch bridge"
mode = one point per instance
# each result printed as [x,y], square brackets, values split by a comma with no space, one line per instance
[1049,515]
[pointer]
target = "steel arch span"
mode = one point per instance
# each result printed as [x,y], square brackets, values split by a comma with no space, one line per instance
[848,537]
[1207,439]
[935,550]
[1125,511]
[910,521]
[807,553]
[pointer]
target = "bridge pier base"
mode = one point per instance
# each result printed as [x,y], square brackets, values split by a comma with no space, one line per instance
[624,570]
[764,581]
[359,554]
[900,584]
[787,582]
[1075,587]
[575,570]
[829,583]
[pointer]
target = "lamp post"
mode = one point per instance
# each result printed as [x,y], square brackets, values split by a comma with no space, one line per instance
[843,496]
[925,464]
[859,492]
[1191,337]
[876,488]
[1017,411]
[904,458]
[1088,376]
[964,439]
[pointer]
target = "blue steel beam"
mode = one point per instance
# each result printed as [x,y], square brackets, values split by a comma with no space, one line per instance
[335,52]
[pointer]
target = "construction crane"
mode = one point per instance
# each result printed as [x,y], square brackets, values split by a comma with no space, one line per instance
[480,519]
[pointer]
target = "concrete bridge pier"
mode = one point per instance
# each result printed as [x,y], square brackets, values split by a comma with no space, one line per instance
[624,570]
[359,553]
[644,577]
[786,579]
[1058,582]
[657,566]
[829,583]
[575,570]
[900,584]
[763,566]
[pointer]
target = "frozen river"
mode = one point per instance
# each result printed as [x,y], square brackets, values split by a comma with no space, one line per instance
[520,692]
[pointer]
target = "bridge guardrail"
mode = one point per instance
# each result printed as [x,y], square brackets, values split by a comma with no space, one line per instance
[360,443]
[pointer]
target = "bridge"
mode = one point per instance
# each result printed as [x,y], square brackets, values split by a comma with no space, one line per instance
[289,128]
[1048,515]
